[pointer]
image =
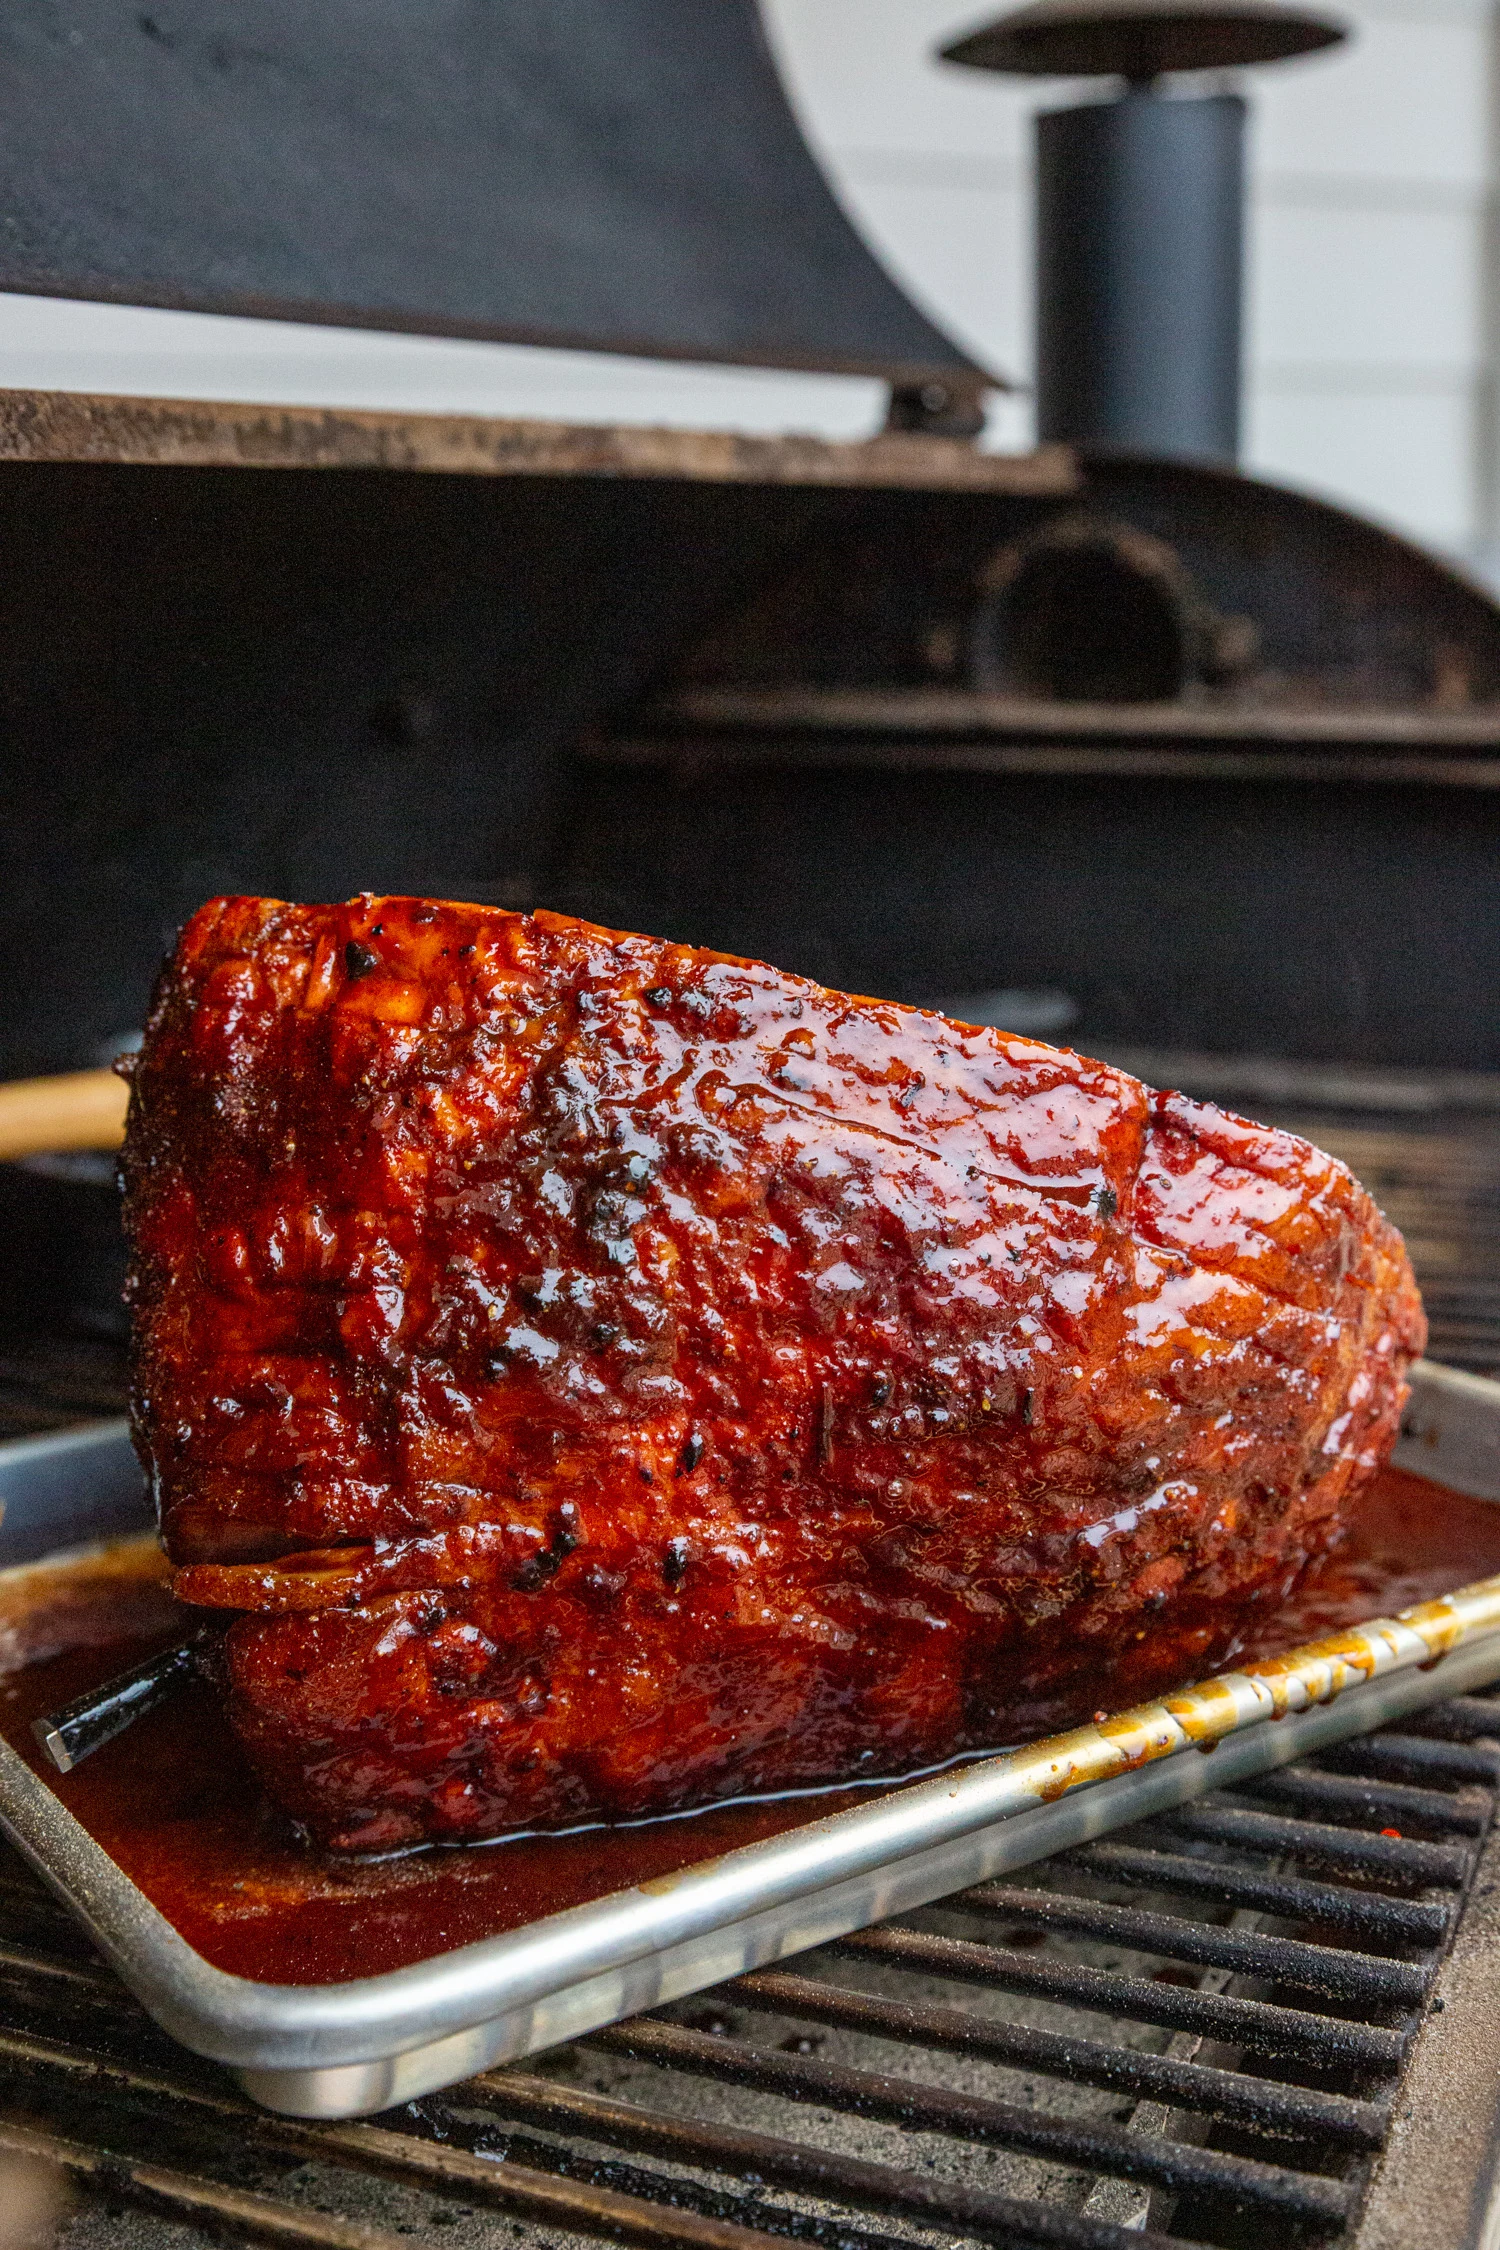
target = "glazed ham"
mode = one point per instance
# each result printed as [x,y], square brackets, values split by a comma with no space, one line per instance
[601,1376]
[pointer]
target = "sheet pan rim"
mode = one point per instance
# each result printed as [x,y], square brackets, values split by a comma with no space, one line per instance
[300,2032]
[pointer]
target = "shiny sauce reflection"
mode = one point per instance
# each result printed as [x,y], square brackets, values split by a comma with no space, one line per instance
[174,1805]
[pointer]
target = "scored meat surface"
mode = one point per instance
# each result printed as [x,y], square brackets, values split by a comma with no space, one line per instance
[606,1376]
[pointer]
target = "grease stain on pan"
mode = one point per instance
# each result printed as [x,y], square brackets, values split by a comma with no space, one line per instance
[1199,1717]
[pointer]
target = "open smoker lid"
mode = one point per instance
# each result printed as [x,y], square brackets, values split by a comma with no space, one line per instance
[622,175]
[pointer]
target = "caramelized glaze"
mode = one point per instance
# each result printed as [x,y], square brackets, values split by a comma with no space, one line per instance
[175,1803]
[601,1375]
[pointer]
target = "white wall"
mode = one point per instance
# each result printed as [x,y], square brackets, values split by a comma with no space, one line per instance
[1369,349]
[1371,313]
[49,344]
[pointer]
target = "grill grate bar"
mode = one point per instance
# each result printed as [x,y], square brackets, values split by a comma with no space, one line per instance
[1088,2145]
[524,2193]
[23,1961]
[1265,2029]
[1392,1921]
[185,2196]
[1195,2086]
[1369,1804]
[1467,1718]
[731,2150]
[1400,1859]
[17,1883]
[757,2157]
[1326,1970]
[1408,1757]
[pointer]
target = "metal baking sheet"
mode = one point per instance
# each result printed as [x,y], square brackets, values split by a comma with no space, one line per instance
[345,2050]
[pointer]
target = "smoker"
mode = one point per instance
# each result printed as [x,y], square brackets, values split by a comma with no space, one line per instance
[1105,739]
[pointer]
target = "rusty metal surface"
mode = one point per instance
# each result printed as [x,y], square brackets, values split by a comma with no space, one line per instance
[920,731]
[1297,856]
[308,683]
[182,433]
[847,724]
[172,2194]
[1338,616]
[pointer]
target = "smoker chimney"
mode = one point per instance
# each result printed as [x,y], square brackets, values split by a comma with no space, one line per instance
[1141,213]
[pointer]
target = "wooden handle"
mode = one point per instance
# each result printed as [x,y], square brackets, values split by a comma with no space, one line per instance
[42,1116]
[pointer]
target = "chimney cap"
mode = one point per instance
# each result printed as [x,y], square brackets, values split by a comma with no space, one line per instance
[1143,39]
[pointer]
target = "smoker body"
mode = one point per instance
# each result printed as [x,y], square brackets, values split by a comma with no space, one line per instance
[613,678]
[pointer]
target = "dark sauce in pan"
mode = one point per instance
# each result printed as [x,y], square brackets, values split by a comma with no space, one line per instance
[174,1804]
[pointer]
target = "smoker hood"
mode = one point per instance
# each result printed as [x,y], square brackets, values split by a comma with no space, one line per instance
[621,175]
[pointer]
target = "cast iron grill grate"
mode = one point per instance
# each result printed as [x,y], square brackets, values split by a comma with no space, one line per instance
[1202,2031]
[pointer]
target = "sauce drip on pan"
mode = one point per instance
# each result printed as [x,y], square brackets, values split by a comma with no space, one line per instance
[173,1803]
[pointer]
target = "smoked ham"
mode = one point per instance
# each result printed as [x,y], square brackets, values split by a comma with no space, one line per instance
[599,1376]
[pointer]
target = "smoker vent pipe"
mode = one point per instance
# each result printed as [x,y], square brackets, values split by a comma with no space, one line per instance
[1141,215]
